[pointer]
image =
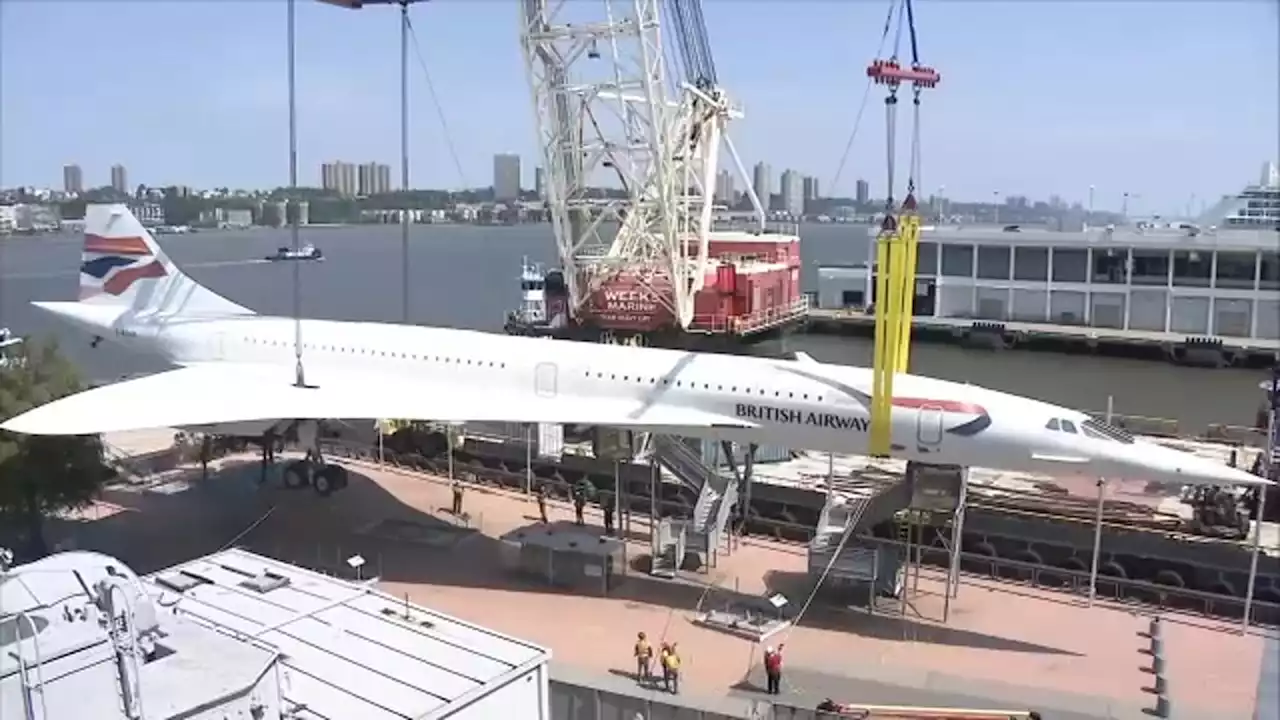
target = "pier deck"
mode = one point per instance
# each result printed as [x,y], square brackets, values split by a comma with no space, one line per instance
[1006,645]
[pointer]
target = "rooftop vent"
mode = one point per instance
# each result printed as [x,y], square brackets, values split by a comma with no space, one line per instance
[266,582]
[182,581]
[1012,228]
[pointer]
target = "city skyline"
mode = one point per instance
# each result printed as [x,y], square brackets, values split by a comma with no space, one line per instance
[795,190]
[225,121]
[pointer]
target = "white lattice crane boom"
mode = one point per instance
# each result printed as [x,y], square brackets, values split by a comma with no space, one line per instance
[610,115]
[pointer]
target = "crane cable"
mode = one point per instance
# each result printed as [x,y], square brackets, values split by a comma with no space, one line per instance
[890,116]
[866,97]
[913,171]
[435,101]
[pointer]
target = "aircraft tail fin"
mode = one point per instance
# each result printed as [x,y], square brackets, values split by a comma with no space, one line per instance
[122,265]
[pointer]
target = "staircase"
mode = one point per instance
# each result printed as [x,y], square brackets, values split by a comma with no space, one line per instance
[717,492]
[667,548]
[861,570]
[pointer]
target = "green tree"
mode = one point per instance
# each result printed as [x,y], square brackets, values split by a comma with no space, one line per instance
[42,475]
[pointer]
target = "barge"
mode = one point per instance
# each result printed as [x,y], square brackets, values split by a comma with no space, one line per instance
[752,292]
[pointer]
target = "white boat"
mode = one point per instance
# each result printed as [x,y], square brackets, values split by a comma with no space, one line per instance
[306,252]
[1217,277]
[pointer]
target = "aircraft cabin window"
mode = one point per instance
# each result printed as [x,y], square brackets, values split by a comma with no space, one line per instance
[1053,424]
[1068,426]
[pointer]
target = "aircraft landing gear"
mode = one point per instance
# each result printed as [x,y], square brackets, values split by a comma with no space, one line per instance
[325,479]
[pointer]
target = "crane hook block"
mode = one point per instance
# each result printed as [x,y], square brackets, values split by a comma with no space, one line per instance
[889,72]
[889,224]
[909,204]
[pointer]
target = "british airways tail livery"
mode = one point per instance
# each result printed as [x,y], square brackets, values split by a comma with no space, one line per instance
[235,373]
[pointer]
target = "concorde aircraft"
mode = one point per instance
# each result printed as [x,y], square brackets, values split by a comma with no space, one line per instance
[237,372]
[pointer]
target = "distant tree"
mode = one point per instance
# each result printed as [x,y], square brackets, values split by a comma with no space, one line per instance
[42,475]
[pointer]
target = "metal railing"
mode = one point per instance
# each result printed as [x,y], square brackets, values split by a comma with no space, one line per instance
[752,322]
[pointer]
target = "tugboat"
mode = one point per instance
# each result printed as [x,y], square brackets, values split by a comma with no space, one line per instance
[306,252]
[544,303]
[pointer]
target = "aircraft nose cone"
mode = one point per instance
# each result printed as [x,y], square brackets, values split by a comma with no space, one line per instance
[1209,472]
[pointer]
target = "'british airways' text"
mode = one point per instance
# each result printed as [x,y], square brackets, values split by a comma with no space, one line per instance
[764,413]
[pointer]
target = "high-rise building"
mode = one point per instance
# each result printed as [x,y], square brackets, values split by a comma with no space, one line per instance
[762,184]
[373,178]
[1270,175]
[119,179]
[540,182]
[726,194]
[339,177]
[862,192]
[506,177]
[810,189]
[365,175]
[72,179]
[792,193]
[384,178]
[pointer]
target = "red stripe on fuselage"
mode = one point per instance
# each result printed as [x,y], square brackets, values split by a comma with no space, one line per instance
[952,406]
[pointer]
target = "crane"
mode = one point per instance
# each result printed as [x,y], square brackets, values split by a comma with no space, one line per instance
[610,114]
[898,239]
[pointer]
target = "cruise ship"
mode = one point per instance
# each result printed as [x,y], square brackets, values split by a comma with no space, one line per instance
[1215,278]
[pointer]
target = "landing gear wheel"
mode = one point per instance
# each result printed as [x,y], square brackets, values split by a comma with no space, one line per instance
[329,479]
[322,483]
[297,474]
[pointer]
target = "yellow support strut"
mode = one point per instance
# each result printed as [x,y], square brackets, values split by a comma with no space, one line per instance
[896,251]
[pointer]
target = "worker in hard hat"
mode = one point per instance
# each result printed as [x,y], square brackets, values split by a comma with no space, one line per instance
[644,659]
[773,669]
[671,668]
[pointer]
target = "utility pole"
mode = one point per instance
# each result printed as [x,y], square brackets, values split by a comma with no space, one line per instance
[404,134]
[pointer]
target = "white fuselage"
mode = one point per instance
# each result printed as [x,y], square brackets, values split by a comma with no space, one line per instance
[802,405]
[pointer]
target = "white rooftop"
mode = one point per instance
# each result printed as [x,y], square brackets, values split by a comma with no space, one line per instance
[1156,238]
[348,650]
[51,625]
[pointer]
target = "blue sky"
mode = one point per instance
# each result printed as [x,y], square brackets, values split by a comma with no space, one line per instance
[1160,99]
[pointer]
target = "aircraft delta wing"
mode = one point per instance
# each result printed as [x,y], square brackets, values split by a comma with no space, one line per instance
[222,393]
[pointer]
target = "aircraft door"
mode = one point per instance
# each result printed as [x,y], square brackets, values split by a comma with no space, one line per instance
[217,346]
[545,379]
[929,426]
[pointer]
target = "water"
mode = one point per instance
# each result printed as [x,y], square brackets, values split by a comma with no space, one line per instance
[466,277]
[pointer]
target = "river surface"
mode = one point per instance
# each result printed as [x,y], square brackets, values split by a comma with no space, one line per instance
[467,277]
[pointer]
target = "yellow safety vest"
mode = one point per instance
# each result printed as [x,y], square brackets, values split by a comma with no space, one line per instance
[672,661]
